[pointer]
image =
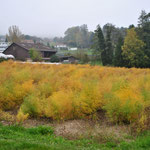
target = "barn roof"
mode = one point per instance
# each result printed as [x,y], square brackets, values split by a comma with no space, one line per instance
[37,46]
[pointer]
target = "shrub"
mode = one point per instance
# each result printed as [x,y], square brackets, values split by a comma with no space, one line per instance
[35,55]
[54,58]
[63,92]
[82,56]
[21,117]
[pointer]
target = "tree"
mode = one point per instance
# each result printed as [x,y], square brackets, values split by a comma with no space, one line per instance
[143,31]
[78,36]
[133,53]
[131,26]
[70,36]
[107,54]
[35,55]
[143,19]
[14,34]
[99,43]
[116,32]
[118,59]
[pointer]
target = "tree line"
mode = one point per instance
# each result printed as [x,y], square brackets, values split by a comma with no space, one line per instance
[124,47]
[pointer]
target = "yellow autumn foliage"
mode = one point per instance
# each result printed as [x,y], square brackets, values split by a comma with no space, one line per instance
[21,117]
[63,92]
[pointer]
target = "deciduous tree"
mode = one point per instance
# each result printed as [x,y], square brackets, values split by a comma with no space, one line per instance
[133,53]
[14,34]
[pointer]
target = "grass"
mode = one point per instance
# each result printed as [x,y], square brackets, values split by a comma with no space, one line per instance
[43,138]
[39,138]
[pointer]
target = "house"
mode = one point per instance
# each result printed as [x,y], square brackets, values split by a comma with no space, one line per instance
[3,46]
[73,49]
[21,50]
[61,47]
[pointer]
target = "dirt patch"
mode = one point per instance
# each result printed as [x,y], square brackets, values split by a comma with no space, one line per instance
[77,129]
[72,129]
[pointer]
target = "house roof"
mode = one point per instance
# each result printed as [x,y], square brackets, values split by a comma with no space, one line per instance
[37,46]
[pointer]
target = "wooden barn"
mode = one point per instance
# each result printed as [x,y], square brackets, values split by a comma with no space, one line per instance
[21,50]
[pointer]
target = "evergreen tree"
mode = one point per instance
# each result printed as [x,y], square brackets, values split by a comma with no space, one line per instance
[99,43]
[118,59]
[142,20]
[143,31]
[131,26]
[107,54]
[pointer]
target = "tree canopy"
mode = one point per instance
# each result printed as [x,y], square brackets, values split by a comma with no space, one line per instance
[78,36]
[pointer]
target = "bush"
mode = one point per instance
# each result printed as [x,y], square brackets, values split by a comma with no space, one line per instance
[82,56]
[63,92]
[54,58]
[35,55]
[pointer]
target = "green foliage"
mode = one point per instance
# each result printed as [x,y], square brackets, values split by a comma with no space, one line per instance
[143,31]
[99,43]
[54,58]
[97,63]
[131,26]
[133,53]
[35,55]
[118,59]
[116,32]
[78,36]
[39,138]
[107,54]
[105,41]
[82,56]
[43,138]
[30,106]
[43,130]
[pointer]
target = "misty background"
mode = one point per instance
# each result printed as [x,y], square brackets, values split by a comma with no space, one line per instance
[50,18]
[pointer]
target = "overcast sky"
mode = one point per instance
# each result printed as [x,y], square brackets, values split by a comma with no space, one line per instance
[48,18]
